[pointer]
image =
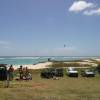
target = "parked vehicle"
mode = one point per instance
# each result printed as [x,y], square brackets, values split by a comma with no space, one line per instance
[51,72]
[3,72]
[88,73]
[71,72]
[59,72]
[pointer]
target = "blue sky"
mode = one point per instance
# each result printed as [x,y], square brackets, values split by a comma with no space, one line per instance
[42,27]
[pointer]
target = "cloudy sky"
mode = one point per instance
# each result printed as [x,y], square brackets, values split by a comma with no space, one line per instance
[49,27]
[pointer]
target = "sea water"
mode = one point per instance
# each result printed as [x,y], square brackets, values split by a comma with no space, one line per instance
[15,60]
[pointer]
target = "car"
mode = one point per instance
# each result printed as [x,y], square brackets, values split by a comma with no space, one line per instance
[47,73]
[71,72]
[3,72]
[51,72]
[88,73]
[59,72]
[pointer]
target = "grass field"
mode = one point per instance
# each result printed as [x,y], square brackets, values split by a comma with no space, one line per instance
[65,88]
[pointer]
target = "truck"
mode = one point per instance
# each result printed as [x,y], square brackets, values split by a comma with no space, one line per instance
[88,73]
[72,72]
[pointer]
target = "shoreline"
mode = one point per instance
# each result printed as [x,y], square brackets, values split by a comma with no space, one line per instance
[42,65]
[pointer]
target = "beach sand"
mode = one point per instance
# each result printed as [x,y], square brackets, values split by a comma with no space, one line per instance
[97,59]
[37,66]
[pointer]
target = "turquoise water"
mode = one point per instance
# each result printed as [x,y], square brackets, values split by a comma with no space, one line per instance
[34,60]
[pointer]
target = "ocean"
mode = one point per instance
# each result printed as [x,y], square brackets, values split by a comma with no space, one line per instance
[17,60]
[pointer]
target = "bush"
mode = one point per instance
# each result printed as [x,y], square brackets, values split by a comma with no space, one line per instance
[98,68]
[62,64]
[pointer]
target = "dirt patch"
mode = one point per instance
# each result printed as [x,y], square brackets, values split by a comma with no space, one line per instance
[39,85]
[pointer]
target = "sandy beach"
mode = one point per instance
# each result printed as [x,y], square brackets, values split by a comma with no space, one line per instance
[97,59]
[37,66]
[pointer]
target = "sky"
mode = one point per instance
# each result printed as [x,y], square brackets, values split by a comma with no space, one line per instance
[49,27]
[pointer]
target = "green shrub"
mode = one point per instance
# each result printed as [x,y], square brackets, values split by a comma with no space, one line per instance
[98,68]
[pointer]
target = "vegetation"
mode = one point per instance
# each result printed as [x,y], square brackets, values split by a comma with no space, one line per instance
[95,61]
[65,88]
[72,64]
[68,61]
[98,68]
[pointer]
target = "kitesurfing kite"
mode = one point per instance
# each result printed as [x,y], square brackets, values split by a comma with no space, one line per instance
[64,45]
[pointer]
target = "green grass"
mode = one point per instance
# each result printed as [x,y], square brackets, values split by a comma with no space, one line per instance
[65,88]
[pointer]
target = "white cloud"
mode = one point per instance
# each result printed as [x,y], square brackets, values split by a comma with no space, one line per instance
[92,12]
[4,43]
[7,47]
[80,6]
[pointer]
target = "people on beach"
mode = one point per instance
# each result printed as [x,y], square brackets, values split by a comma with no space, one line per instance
[21,72]
[24,73]
[10,72]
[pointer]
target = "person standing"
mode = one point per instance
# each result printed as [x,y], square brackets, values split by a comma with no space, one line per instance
[10,73]
[21,72]
[26,73]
